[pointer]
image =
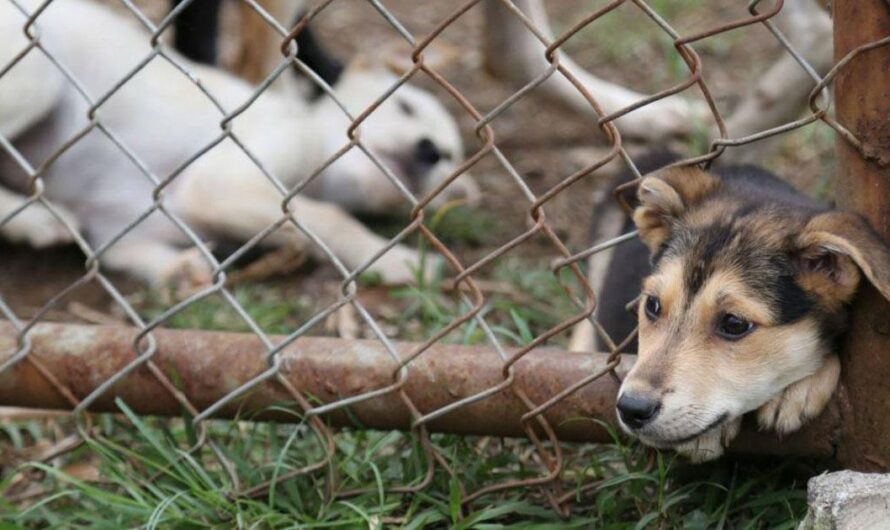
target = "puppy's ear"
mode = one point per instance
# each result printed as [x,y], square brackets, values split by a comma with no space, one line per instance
[833,248]
[664,196]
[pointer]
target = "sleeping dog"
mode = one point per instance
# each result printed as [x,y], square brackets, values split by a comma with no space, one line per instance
[746,297]
[164,120]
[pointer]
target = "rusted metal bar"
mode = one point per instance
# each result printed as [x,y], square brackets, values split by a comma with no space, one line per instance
[862,95]
[207,365]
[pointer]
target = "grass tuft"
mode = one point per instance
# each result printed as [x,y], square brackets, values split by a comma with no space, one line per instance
[148,478]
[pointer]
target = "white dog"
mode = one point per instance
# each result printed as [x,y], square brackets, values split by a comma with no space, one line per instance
[162,117]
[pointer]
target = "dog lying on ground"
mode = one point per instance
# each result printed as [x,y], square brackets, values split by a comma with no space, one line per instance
[164,120]
[742,308]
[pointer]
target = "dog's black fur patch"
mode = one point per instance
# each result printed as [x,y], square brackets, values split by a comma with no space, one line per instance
[314,56]
[197,30]
[197,36]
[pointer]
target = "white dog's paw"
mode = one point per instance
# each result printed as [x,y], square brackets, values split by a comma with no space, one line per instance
[801,401]
[188,272]
[400,265]
[36,226]
[710,445]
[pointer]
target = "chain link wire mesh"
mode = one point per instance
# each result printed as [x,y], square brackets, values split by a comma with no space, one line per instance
[549,461]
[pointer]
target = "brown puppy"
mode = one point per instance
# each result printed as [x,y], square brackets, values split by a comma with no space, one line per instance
[748,293]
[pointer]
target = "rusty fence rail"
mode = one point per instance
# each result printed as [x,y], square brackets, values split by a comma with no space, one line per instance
[528,391]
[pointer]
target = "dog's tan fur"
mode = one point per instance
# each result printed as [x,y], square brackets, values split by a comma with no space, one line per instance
[725,248]
[259,45]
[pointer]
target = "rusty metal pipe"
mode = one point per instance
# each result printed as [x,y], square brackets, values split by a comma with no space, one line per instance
[862,95]
[207,365]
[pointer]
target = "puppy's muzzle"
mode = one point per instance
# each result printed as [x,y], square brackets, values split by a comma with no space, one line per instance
[636,410]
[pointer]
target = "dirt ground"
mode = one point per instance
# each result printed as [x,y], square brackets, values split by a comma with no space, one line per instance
[544,143]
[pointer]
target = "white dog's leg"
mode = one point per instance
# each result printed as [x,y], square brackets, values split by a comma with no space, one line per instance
[35,224]
[353,243]
[237,206]
[31,88]
[159,263]
[801,401]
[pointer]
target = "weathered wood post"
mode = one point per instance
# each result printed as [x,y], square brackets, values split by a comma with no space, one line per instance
[862,96]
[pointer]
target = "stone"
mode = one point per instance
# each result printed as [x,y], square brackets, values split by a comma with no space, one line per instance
[848,500]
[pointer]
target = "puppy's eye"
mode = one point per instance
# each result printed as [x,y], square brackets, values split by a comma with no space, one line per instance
[732,327]
[405,107]
[653,307]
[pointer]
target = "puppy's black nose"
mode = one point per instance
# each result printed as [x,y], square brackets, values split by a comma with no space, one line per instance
[636,410]
[426,151]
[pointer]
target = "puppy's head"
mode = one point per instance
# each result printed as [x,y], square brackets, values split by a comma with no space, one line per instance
[748,291]
[410,132]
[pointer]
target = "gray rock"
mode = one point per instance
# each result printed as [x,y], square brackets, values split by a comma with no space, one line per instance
[847,500]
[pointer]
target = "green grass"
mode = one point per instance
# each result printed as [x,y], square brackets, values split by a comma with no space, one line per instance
[263,303]
[530,301]
[626,35]
[150,480]
[456,226]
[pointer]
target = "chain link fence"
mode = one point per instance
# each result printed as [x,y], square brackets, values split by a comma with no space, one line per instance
[135,355]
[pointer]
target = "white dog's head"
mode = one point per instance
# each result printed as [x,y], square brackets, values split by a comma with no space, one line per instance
[410,132]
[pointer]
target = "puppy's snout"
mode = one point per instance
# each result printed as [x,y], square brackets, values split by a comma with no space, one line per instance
[426,152]
[636,410]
